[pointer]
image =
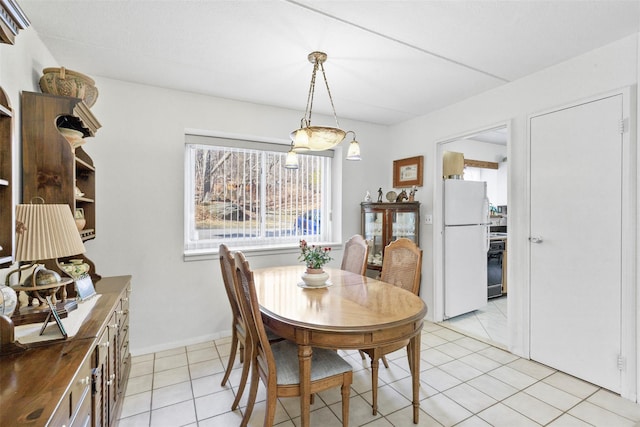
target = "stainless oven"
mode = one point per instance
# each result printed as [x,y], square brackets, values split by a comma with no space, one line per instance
[494,268]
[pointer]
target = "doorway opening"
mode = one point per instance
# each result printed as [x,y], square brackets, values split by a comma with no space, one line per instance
[485,160]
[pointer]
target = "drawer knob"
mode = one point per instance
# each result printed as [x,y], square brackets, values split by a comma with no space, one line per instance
[120,312]
[84,381]
[113,326]
[125,299]
[105,344]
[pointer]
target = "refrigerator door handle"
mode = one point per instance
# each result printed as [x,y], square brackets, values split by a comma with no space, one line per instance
[485,207]
[488,241]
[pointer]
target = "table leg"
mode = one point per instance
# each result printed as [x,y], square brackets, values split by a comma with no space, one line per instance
[304,359]
[414,351]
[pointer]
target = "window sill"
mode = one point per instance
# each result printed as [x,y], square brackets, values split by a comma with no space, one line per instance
[209,254]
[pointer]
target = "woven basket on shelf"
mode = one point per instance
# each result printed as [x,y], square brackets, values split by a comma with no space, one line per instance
[61,81]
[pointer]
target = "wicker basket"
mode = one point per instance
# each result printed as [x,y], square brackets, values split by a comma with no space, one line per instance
[60,81]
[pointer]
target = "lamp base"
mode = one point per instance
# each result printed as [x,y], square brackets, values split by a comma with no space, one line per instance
[38,314]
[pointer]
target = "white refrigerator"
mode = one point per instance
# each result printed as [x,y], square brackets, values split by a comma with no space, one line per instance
[466,242]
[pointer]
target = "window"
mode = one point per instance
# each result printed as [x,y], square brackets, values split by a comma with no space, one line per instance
[239,193]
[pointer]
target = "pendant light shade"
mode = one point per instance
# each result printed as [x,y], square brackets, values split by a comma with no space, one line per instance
[317,138]
[291,161]
[354,150]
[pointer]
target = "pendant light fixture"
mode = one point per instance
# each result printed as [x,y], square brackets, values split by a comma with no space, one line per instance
[320,138]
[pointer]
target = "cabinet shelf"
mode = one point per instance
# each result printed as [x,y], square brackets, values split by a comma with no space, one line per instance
[84,200]
[82,165]
[4,182]
[4,111]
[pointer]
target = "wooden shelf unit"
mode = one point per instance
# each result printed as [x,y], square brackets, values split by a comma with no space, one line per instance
[6,187]
[51,168]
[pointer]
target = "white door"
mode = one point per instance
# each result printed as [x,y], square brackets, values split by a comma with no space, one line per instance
[576,240]
[465,269]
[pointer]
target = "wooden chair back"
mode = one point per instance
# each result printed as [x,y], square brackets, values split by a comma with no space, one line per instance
[356,252]
[248,302]
[228,269]
[402,264]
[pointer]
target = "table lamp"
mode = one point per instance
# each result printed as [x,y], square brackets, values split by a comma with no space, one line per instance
[44,231]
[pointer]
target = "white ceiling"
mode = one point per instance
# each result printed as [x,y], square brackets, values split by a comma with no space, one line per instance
[389,61]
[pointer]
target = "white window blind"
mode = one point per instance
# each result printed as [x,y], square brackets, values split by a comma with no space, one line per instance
[238,192]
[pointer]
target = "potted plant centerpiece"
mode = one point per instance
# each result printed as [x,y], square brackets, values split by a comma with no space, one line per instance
[314,257]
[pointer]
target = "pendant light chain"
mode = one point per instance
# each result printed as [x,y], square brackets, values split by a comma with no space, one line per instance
[311,95]
[326,83]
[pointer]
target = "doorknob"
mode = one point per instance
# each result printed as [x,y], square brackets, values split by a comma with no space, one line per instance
[535,239]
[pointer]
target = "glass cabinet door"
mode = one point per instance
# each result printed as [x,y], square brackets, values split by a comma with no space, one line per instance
[373,234]
[382,223]
[403,225]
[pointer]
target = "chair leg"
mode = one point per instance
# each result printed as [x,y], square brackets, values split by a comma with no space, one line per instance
[346,391]
[251,400]
[232,356]
[243,377]
[374,384]
[270,410]
[384,360]
[241,352]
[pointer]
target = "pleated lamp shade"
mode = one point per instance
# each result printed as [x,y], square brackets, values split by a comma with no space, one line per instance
[46,231]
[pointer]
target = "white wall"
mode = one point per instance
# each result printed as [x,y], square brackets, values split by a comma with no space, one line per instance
[139,159]
[602,70]
[21,66]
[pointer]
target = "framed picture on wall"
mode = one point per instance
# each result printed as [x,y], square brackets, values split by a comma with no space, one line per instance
[408,172]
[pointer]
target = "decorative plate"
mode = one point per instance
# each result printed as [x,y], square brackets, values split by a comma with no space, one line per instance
[391,196]
[324,285]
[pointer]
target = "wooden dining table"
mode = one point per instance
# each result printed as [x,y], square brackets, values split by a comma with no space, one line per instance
[353,312]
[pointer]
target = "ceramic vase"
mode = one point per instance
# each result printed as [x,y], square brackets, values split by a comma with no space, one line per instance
[315,277]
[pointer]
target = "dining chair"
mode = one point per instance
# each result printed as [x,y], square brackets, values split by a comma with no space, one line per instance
[354,257]
[401,266]
[276,364]
[238,330]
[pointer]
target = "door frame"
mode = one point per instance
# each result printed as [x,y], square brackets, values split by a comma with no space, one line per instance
[438,213]
[629,296]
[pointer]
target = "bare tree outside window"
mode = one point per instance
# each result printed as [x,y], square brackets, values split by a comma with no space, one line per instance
[247,196]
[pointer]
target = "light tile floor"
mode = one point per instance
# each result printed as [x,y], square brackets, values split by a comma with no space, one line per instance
[488,323]
[464,382]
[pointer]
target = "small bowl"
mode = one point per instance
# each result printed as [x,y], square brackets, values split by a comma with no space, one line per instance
[75,137]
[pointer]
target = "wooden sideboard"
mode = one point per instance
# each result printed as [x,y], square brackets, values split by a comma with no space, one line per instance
[80,381]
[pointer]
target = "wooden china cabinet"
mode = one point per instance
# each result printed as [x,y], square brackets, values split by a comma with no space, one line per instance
[81,380]
[382,223]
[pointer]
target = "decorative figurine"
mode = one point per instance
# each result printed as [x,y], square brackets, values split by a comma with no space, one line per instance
[412,193]
[367,198]
[380,195]
[402,196]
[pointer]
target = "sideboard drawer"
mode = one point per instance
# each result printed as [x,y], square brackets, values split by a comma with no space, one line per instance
[73,409]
